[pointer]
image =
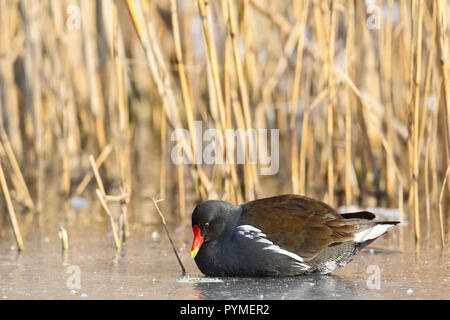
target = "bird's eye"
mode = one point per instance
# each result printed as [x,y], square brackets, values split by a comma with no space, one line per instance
[206,225]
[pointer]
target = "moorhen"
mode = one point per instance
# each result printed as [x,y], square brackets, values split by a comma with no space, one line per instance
[284,235]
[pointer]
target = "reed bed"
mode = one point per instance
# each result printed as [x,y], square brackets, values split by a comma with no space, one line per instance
[358,90]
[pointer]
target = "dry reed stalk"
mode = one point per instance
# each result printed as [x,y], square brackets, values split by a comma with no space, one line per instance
[182,73]
[367,105]
[400,202]
[9,98]
[31,16]
[211,54]
[427,183]
[441,204]
[64,238]
[277,19]
[302,160]
[429,70]
[21,187]
[331,104]
[11,211]
[66,178]
[348,106]
[96,96]
[443,58]
[216,95]
[233,186]
[387,82]
[187,103]
[183,270]
[124,227]
[319,26]
[406,37]
[117,240]
[433,150]
[163,173]
[282,62]
[305,139]
[97,175]
[248,178]
[87,178]
[123,198]
[254,33]
[181,195]
[123,145]
[295,167]
[416,100]
[242,84]
[163,83]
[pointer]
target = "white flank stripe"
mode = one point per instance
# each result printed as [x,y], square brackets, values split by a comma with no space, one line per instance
[256,234]
[372,233]
[277,249]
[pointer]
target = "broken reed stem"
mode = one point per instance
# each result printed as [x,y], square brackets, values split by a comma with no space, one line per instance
[87,178]
[123,198]
[183,270]
[124,226]
[97,175]
[11,211]
[22,187]
[441,204]
[117,241]
[64,238]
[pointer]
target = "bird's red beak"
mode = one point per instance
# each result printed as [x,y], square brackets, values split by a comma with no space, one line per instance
[198,241]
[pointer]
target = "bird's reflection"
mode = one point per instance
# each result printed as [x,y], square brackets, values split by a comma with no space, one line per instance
[300,287]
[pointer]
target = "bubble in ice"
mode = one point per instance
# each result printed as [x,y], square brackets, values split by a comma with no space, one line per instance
[155,235]
[78,203]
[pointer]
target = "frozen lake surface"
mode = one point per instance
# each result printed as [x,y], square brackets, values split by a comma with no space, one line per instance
[146,268]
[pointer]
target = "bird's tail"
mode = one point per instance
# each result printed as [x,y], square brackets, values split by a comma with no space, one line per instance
[368,235]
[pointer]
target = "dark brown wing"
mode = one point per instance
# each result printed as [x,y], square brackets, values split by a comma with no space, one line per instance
[299,224]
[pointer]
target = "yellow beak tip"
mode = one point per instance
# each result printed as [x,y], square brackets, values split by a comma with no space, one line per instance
[194,253]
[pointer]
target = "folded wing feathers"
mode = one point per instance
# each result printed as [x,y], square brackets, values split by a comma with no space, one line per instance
[256,234]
